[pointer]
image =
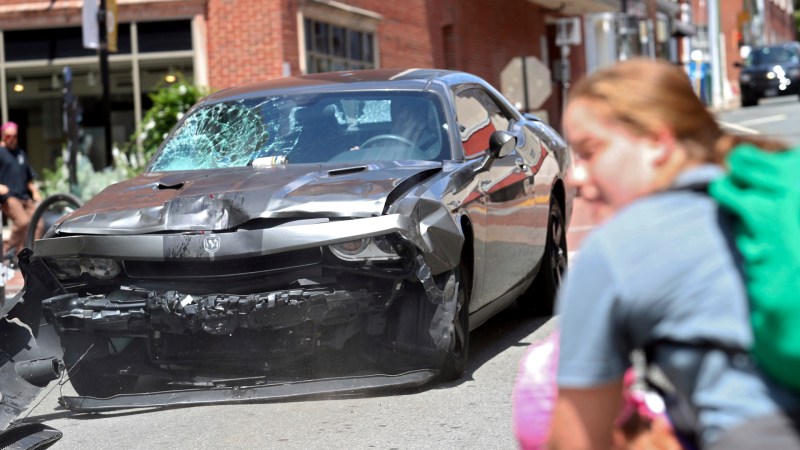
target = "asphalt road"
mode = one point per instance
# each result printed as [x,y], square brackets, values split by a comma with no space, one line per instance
[773,117]
[474,412]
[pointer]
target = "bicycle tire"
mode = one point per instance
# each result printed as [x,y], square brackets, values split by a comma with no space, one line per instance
[44,206]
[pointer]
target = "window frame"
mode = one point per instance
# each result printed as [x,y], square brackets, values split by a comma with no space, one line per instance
[352,20]
[490,118]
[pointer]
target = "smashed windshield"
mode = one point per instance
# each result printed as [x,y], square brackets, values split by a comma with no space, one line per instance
[374,126]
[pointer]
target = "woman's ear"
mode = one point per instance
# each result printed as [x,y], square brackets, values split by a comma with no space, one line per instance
[664,145]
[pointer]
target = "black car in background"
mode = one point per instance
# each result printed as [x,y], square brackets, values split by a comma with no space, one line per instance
[770,71]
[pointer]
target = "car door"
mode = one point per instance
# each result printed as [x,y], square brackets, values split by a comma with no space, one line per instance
[503,257]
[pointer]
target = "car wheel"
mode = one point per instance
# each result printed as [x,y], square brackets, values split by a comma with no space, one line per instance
[749,101]
[92,371]
[540,297]
[455,362]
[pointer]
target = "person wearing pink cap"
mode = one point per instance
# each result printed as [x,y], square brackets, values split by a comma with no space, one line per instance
[18,192]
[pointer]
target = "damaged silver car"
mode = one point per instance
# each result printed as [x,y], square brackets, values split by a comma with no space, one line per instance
[339,226]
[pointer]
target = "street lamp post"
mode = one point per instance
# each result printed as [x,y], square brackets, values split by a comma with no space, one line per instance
[714,52]
[104,78]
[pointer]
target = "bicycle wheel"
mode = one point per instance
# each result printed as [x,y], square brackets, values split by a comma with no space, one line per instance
[48,211]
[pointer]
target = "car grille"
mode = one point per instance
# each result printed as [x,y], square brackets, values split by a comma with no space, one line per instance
[202,269]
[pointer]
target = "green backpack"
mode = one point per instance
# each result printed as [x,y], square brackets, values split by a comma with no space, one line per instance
[762,192]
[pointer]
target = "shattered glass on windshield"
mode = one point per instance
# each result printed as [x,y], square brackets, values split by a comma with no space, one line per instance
[219,136]
[307,129]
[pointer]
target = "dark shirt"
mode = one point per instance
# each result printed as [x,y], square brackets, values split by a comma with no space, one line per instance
[16,173]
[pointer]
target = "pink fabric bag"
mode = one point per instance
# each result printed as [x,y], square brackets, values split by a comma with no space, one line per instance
[535,393]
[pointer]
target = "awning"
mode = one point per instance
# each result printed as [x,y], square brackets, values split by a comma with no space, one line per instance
[681,29]
[669,7]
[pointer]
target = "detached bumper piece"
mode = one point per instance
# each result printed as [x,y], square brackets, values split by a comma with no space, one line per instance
[29,436]
[29,360]
[278,391]
[176,313]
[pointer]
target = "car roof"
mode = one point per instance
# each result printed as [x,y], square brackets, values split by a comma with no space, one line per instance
[372,79]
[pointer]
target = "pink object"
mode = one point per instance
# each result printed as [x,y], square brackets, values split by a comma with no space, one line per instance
[8,126]
[535,393]
[647,405]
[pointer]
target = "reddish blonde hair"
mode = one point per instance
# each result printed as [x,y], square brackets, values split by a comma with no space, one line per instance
[646,95]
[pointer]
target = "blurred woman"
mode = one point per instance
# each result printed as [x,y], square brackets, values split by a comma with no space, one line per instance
[659,275]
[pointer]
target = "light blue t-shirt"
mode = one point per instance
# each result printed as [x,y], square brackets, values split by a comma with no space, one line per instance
[662,270]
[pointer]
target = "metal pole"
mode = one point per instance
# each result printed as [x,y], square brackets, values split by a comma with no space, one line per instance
[102,33]
[714,52]
[525,83]
[70,118]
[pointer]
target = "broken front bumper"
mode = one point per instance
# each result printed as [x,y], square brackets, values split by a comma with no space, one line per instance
[198,309]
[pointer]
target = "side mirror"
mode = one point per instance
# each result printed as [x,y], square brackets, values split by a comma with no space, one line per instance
[501,144]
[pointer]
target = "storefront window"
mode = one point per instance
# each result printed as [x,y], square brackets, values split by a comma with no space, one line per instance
[55,43]
[33,67]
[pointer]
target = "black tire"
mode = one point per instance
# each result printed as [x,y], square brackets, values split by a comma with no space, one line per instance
[68,200]
[540,297]
[97,373]
[455,362]
[748,101]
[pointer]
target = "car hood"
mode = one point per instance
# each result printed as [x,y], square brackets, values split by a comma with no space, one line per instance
[226,198]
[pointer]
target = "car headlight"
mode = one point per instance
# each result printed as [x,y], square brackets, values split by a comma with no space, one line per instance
[745,78]
[366,249]
[67,268]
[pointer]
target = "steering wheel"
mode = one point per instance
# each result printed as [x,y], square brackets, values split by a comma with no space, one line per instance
[389,137]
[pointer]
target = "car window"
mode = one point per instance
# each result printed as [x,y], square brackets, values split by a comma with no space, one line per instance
[478,117]
[773,55]
[358,126]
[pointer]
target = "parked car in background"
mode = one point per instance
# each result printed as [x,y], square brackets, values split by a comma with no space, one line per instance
[310,227]
[770,71]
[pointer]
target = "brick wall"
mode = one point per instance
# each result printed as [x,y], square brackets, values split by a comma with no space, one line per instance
[245,41]
[249,41]
[485,37]
[780,22]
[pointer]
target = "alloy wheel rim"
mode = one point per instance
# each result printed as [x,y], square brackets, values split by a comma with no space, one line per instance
[558,253]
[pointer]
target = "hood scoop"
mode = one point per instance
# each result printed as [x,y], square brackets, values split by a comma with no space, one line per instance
[175,186]
[346,171]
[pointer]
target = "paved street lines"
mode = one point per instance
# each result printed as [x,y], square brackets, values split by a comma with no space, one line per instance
[737,127]
[762,120]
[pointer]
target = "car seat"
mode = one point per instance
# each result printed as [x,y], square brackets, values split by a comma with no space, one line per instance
[321,137]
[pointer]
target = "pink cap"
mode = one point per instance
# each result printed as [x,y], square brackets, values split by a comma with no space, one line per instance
[8,126]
